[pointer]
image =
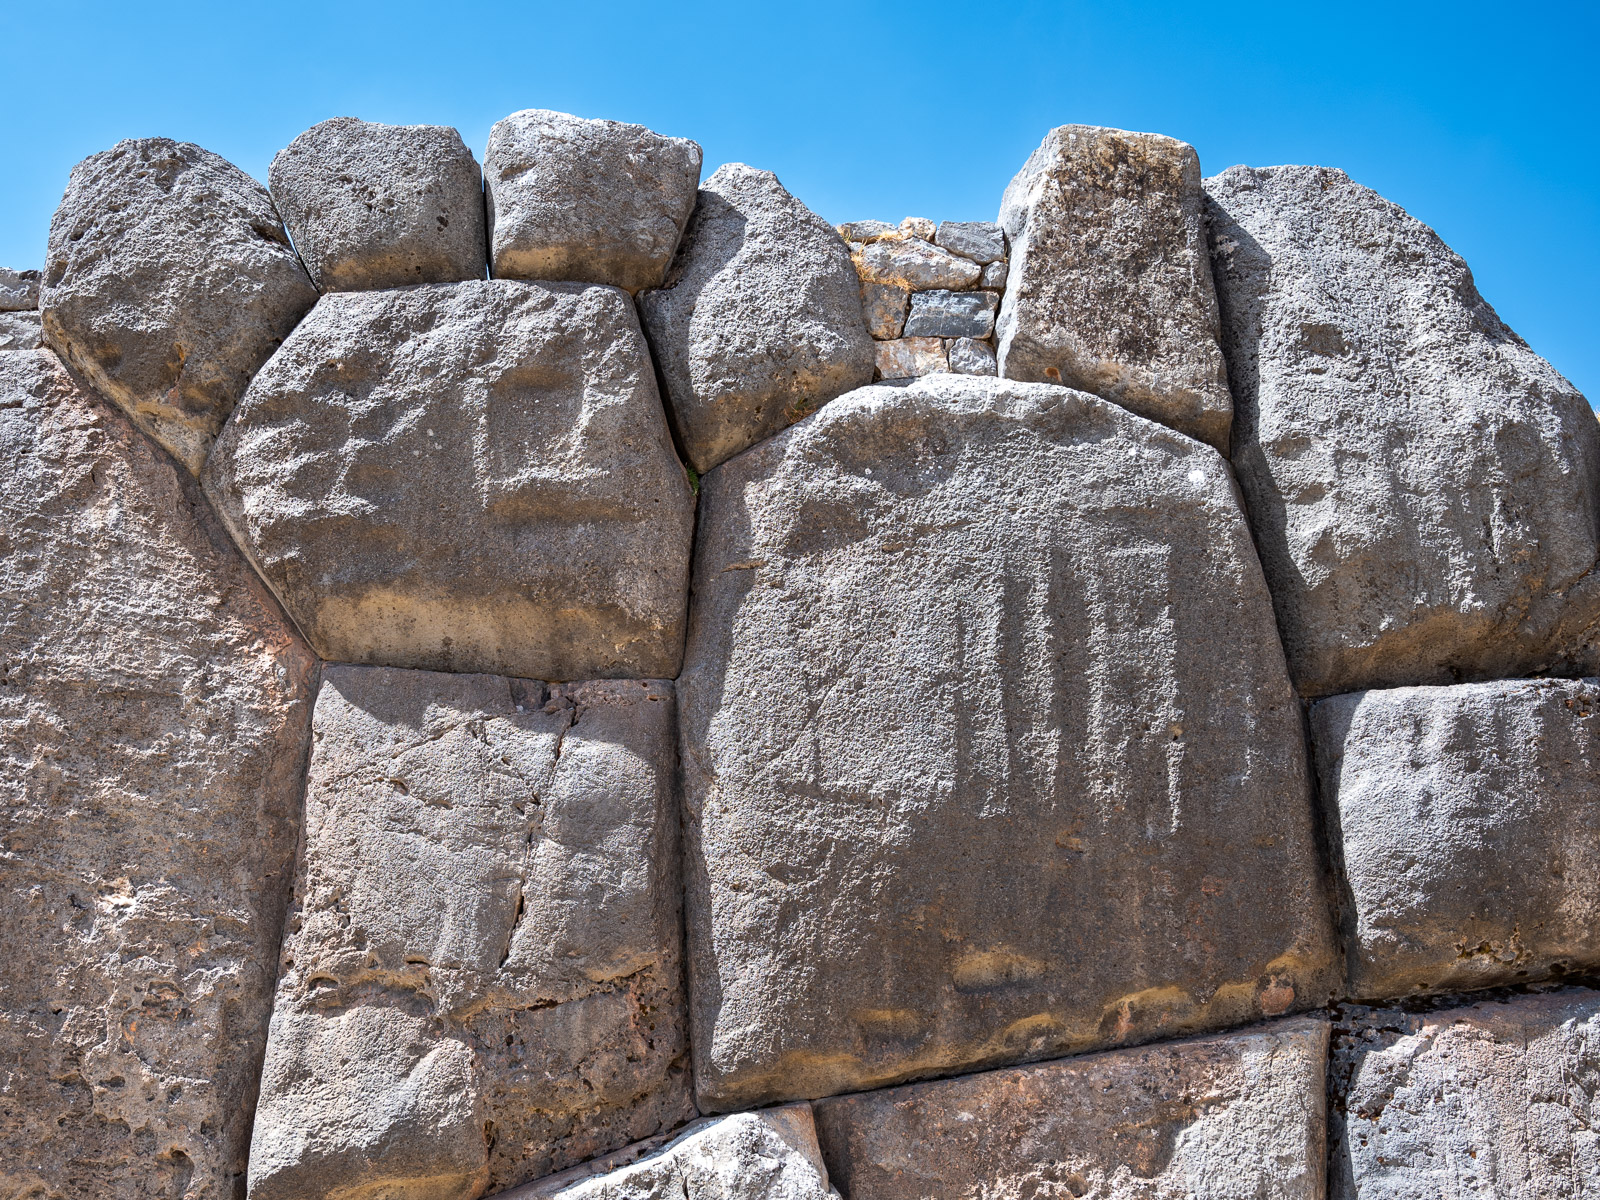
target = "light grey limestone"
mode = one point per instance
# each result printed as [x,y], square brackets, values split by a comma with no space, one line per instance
[912,263]
[981,241]
[907,358]
[866,231]
[19,290]
[884,307]
[968,356]
[994,275]
[952,314]
[918,227]
[21,331]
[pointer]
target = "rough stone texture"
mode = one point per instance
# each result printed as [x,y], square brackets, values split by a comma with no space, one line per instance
[1003,655]
[912,263]
[971,357]
[19,290]
[169,281]
[906,358]
[981,241]
[1469,824]
[1422,485]
[1496,1100]
[918,227]
[760,320]
[866,231]
[484,942]
[470,476]
[154,714]
[952,314]
[993,276]
[884,307]
[1216,1118]
[20,331]
[1110,282]
[381,206]
[587,200]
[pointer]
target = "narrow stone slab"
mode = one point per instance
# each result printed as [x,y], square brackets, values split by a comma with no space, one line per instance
[1242,1114]
[470,476]
[912,263]
[884,306]
[1468,825]
[866,231]
[19,290]
[21,331]
[483,949]
[989,747]
[981,241]
[907,358]
[952,314]
[969,356]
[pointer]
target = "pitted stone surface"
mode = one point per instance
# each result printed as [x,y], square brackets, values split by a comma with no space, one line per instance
[1217,1118]
[907,358]
[760,320]
[169,281]
[586,200]
[952,314]
[1422,485]
[1468,822]
[20,331]
[381,206]
[19,290]
[1110,278]
[471,476]
[912,263]
[154,714]
[484,943]
[989,747]
[981,241]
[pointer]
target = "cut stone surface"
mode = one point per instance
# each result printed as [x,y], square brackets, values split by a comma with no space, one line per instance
[1110,282]
[1422,484]
[1498,1099]
[884,306]
[918,227]
[907,358]
[1003,654]
[1218,1118]
[469,476]
[20,331]
[952,314]
[1468,822]
[865,231]
[153,727]
[913,263]
[971,357]
[981,241]
[19,290]
[760,321]
[381,206]
[169,281]
[484,943]
[586,200]
[994,276]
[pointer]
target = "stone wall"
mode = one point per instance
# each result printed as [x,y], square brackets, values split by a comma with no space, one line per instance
[568,679]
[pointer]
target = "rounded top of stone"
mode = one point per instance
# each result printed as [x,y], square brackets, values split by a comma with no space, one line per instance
[336,131]
[526,119]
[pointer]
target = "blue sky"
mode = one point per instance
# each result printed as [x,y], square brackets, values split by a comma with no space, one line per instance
[1479,119]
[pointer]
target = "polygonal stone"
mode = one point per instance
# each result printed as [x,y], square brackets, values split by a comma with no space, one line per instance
[981,241]
[989,747]
[471,476]
[866,231]
[20,331]
[19,290]
[1110,280]
[481,981]
[1423,486]
[952,314]
[907,358]
[154,717]
[381,206]
[918,227]
[912,263]
[169,282]
[759,322]
[969,356]
[586,200]
[994,275]
[884,307]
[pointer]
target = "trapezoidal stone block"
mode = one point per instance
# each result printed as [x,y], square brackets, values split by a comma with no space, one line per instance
[154,716]
[989,748]
[1422,486]
[481,982]
[1109,287]
[467,477]
[168,281]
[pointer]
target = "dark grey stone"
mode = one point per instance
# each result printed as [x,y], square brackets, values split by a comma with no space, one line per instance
[952,314]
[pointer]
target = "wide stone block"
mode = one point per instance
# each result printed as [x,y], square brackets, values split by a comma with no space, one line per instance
[381,206]
[20,331]
[1468,824]
[19,290]
[468,477]
[1422,485]
[884,307]
[1110,278]
[952,314]
[866,231]
[169,281]
[586,200]
[907,358]
[981,241]
[154,715]
[912,263]
[989,749]
[481,982]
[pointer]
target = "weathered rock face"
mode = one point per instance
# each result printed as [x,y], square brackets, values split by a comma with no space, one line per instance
[1213,1119]
[1110,286]
[912,263]
[19,290]
[1469,828]
[586,200]
[884,306]
[760,320]
[981,241]
[483,950]
[1421,484]
[990,752]
[473,476]
[1498,1099]
[169,281]
[20,331]
[951,314]
[381,206]
[154,715]
[968,356]
[907,358]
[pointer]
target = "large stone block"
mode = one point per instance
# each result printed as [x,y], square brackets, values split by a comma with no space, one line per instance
[1218,1118]
[468,477]
[1496,1100]
[481,982]
[759,321]
[1421,484]
[1468,824]
[154,718]
[912,263]
[586,200]
[381,206]
[169,281]
[1109,287]
[990,751]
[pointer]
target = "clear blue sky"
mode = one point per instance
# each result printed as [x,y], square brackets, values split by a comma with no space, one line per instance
[1480,119]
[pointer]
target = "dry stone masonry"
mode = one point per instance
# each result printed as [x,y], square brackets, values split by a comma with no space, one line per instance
[568,680]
